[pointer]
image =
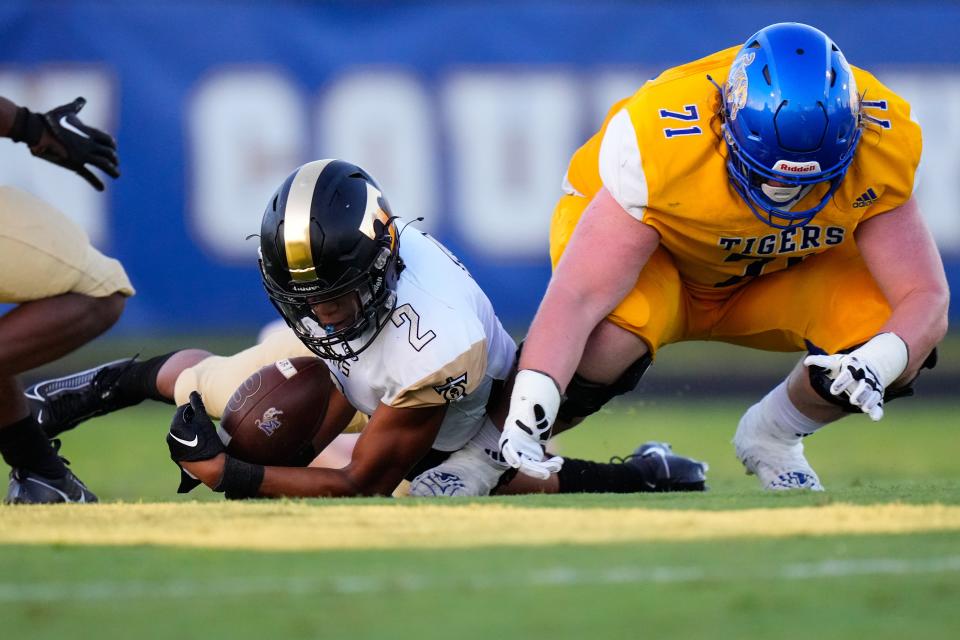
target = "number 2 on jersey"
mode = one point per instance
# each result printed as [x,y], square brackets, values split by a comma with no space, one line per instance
[406,313]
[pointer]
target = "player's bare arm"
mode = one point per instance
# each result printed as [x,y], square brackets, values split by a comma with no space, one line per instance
[8,111]
[393,441]
[902,256]
[592,282]
[391,444]
[903,260]
[339,414]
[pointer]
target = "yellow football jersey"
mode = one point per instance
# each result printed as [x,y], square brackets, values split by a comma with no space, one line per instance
[661,155]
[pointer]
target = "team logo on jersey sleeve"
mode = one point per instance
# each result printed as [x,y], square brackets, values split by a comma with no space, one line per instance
[454,388]
[737,85]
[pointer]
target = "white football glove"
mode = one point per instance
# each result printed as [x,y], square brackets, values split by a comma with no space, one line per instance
[864,373]
[533,410]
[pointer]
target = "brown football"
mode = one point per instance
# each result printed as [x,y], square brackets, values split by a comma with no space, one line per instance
[277,411]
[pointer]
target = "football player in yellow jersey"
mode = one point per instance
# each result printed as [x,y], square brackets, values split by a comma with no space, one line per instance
[774,212]
[64,292]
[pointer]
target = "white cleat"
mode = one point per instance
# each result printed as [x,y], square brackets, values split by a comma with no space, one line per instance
[467,472]
[779,463]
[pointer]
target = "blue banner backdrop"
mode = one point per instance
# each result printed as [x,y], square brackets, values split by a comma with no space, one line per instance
[466,112]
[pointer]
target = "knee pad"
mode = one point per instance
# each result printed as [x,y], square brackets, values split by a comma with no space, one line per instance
[584,398]
[821,382]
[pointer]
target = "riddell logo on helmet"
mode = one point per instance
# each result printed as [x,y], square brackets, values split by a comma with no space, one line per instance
[796,168]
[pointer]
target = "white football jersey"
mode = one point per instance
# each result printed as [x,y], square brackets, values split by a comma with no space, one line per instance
[442,345]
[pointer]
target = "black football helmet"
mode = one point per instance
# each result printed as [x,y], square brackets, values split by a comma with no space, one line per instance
[329,257]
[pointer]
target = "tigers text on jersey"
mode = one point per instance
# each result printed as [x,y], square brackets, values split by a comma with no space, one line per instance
[661,155]
[443,344]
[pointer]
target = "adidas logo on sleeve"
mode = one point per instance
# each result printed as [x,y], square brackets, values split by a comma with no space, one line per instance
[866,199]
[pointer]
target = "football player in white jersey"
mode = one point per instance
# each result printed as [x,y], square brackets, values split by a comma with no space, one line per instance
[62,292]
[410,340]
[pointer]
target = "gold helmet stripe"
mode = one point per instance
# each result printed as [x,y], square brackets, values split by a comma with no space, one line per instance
[296,221]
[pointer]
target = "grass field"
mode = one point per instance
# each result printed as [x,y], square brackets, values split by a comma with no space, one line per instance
[877,556]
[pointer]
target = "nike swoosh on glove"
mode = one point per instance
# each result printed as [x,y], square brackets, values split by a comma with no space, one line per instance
[82,143]
[192,437]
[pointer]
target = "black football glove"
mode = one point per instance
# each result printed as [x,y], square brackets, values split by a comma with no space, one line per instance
[84,144]
[192,437]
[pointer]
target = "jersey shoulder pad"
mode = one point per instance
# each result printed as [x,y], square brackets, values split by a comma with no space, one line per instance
[447,383]
[891,144]
[436,353]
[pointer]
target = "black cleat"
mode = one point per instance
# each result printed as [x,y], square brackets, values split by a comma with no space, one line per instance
[29,487]
[663,470]
[60,404]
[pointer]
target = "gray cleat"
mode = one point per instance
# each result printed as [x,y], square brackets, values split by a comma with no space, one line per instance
[29,487]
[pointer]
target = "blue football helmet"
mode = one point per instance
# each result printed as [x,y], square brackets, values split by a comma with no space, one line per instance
[791,115]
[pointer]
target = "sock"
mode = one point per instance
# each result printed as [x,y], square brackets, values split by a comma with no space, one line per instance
[779,414]
[138,382]
[583,476]
[24,445]
[488,439]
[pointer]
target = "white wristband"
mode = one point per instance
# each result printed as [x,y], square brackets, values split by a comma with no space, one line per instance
[887,354]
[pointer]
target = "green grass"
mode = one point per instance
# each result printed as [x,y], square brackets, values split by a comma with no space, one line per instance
[838,587]
[881,586]
[911,454]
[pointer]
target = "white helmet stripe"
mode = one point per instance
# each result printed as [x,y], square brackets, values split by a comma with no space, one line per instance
[296,221]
